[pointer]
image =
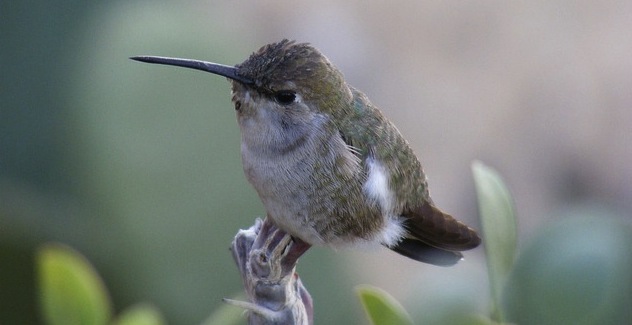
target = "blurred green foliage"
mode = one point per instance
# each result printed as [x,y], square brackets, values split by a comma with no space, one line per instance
[498,223]
[71,292]
[576,270]
[382,308]
[140,314]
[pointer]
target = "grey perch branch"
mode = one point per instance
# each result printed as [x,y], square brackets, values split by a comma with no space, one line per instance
[266,257]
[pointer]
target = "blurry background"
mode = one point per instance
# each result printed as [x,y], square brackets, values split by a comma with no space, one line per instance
[138,167]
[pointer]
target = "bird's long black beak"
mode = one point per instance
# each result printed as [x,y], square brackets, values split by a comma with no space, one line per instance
[218,69]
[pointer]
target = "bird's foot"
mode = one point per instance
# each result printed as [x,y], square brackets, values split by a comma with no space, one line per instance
[266,257]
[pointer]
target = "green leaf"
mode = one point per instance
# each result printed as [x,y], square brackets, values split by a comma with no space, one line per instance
[499,229]
[140,314]
[576,270]
[226,314]
[382,308]
[71,291]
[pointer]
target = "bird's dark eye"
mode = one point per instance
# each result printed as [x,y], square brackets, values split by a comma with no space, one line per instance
[285,97]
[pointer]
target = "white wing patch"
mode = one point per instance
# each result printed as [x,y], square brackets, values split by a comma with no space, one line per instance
[377,189]
[376,186]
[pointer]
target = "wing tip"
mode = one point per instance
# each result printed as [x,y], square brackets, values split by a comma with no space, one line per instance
[422,252]
[439,229]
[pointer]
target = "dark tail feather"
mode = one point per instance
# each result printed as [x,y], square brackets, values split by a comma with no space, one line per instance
[425,253]
[438,229]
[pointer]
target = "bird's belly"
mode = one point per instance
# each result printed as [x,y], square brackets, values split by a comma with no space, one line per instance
[295,218]
[313,203]
[291,203]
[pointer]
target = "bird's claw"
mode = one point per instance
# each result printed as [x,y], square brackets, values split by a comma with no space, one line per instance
[266,257]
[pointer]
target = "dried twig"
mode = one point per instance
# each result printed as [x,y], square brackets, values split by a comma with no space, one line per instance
[266,257]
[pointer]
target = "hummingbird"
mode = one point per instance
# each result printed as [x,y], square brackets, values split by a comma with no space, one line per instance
[329,168]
